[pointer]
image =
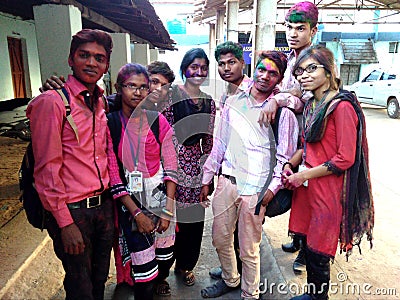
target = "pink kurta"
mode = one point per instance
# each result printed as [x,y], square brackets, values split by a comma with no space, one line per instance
[316,210]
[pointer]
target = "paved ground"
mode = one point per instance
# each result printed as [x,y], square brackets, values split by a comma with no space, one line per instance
[29,270]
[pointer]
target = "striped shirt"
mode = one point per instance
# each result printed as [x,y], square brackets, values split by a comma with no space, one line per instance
[242,146]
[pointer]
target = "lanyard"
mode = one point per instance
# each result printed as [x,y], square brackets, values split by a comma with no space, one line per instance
[124,123]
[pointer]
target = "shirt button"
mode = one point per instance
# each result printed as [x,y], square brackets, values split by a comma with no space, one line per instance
[95,134]
[97,157]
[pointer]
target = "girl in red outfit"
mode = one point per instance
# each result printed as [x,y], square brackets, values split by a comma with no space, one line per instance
[332,193]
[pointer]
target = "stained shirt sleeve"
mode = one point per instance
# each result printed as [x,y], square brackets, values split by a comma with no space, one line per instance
[284,99]
[46,114]
[288,132]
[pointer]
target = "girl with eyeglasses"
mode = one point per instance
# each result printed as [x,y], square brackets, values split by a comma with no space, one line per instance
[332,197]
[146,231]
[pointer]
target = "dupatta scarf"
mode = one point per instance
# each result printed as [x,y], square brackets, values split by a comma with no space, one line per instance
[356,196]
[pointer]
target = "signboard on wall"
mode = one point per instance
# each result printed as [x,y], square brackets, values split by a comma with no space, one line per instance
[248,47]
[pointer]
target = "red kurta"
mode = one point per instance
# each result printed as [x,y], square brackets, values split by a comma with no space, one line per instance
[316,210]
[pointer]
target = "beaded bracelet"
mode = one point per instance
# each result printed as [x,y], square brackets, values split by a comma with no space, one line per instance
[167,212]
[287,163]
[137,212]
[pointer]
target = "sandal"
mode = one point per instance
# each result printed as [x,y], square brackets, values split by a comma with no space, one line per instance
[188,277]
[162,288]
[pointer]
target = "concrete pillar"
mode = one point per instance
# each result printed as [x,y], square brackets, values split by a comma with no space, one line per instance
[153,55]
[141,54]
[211,39]
[120,55]
[264,29]
[55,25]
[232,27]
[220,30]
[213,65]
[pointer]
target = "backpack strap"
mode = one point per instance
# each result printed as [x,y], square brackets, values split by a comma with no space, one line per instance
[115,126]
[105,102]
[65,97]
[275,127]
[154,122]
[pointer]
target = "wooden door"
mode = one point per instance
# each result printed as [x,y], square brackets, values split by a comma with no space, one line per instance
[17,67]
[349,73]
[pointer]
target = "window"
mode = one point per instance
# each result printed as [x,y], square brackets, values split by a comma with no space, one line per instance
[393,47]
[387,76]
[373,76]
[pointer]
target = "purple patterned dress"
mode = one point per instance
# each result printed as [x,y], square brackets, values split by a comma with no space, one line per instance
[193,154]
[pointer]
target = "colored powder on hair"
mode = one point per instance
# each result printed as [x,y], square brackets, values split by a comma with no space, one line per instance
[303,12]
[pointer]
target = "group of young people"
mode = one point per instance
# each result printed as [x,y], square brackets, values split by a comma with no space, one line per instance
[139,178]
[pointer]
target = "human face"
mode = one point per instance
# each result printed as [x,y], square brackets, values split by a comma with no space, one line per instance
[89,63]
[158,88]
[266,76]
[299,35]
[197,72]
[230,68]
[133,90]
[316,81]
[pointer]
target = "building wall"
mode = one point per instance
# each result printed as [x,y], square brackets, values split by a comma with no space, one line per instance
[387,61]
[11,26]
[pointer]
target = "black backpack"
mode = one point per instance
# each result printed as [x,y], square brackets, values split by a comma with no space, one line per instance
[29,197]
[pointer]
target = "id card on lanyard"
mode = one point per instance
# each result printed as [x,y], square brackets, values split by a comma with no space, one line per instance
[134,178]
[135,181]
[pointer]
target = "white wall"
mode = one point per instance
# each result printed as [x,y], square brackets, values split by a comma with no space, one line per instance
[55,26]
[17,28]
[388,61]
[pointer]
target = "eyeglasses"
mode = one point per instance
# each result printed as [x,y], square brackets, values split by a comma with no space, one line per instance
[134,88]
[309,69]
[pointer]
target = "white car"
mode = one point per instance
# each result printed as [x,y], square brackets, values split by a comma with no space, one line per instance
[379,88]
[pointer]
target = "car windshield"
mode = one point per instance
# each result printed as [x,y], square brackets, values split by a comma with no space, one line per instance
[373,76]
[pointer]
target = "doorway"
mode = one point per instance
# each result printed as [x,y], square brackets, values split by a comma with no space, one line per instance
[17,67]
[349,73]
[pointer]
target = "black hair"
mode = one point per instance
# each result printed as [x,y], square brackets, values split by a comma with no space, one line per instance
[190,56]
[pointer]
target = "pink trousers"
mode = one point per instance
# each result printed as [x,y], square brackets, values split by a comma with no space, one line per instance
[229,208]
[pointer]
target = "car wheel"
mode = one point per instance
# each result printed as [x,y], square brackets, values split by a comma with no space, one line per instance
[393,110]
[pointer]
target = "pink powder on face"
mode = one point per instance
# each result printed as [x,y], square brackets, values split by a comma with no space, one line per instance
[268,65]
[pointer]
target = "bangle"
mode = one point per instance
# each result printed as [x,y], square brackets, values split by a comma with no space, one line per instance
[167,212]
[287,163]
[137,212]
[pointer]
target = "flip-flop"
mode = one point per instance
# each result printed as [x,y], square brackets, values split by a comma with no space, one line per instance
[162,288]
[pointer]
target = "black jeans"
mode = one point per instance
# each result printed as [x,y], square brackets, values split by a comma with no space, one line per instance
[86,274]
